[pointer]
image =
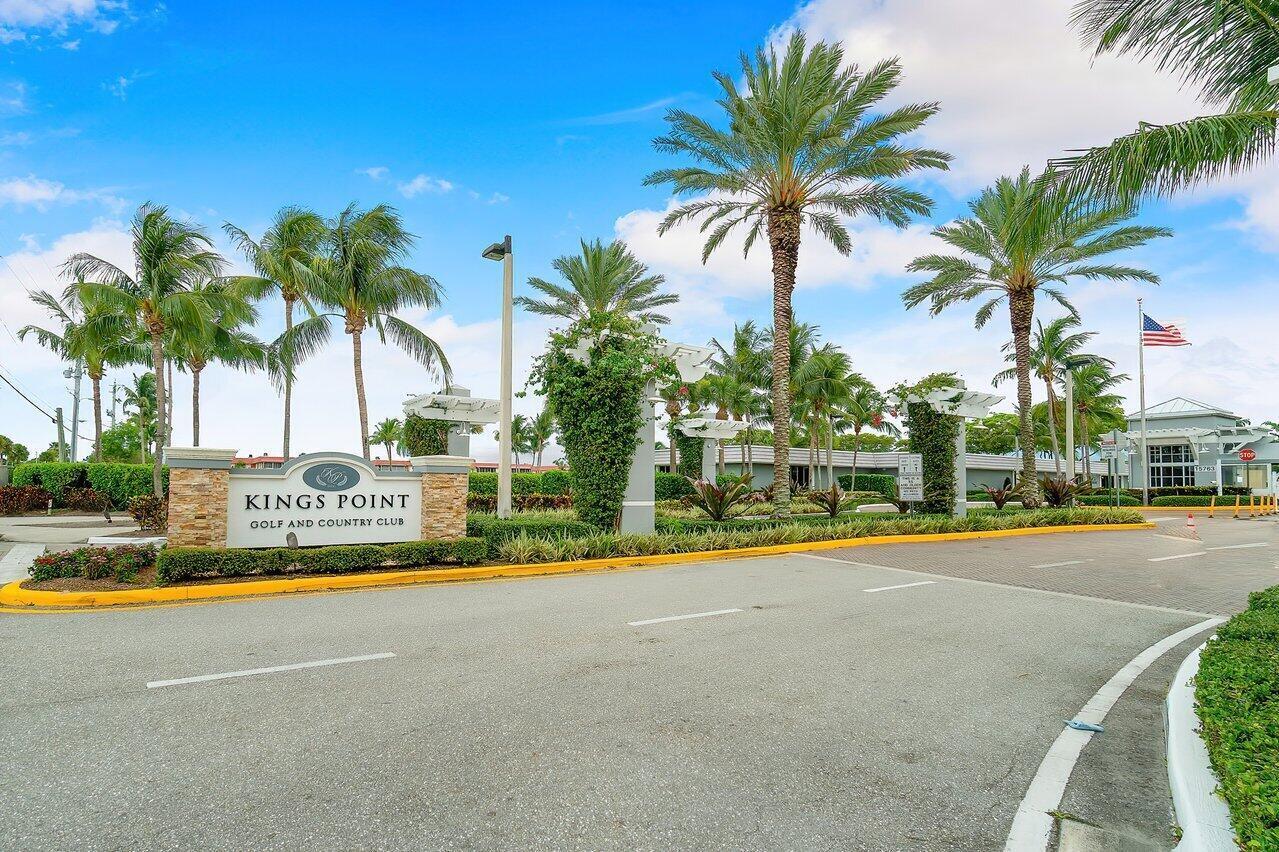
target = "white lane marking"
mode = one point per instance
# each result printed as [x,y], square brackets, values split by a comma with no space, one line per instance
[1009,586]
[681,617]
[1178,556]
[902,586]
[1060,564]
[156,684]
[1178,538]
[1238,546]
[1033,823]
[1162,520]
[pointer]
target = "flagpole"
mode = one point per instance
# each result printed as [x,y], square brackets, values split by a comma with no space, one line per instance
[1141,383]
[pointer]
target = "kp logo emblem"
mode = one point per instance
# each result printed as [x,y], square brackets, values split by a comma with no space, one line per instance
[331,477]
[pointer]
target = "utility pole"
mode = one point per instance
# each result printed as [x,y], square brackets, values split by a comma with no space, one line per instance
[1070,419]
[75,373]
[62,441]
[115,387]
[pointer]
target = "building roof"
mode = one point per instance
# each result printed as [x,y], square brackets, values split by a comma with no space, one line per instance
[762,454]
[1181,406]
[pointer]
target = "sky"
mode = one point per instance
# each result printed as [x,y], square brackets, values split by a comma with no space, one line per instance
[537,120]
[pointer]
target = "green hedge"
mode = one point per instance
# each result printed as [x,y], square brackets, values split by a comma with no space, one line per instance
[423,437]
[1190,491]
[118,481]
[672,486]
[880,483]
[1107,499]
[1192,501]
[1237,692]
[551,482]
[550,525]
[182,563]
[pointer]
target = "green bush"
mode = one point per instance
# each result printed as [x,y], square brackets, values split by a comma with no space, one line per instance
[1190,501]
[671,486]
[54,477]
[688,455]
[151,514]
[480,482]
[1107,499]
[182,563]
[1190,491]
[121,563]
[84,500]
[423,437]
[546,525]
[1237,693]
[556,482]
[880,483]
[117,481]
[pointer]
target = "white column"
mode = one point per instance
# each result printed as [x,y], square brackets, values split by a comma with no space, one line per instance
[638,509]
[961,470]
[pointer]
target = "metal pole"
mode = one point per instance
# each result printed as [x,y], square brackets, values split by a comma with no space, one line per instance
[62,440]
[504,395]
[75,412]
[115,387]
[1141,384]
[1070,420]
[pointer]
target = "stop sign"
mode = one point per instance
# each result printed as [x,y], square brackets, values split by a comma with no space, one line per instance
[1247,455]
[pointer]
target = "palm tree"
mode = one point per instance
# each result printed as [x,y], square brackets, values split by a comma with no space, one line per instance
[745,360]
[1099,409]
[1021,240]
[140,397]
[280,259]
[360,279]
[521,436]
[863,408]
[386,433]
[170,259]
[88,334]
[540,431]
[601,280]
[224,340]
[1053,347]
[1226,49]
[675,395]
[822,384]
[803,146]
[731,399]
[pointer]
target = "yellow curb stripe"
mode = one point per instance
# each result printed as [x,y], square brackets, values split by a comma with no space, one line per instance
[13,595]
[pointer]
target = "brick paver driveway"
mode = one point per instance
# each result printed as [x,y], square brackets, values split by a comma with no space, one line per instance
[1163,567]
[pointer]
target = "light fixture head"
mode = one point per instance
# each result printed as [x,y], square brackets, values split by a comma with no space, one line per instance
[498,251]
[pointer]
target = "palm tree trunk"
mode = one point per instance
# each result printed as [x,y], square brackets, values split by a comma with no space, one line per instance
[195,406]
[1052,426]
[288,380]
[1087,450]
[96,379]
[857,445]
[721,471]
[783,244]
[157,363]
[357,353]
[1021,310]
[830,451]
[812,454]
[388,452]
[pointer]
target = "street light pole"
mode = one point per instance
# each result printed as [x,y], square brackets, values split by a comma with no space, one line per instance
[502,251]
[1070,420]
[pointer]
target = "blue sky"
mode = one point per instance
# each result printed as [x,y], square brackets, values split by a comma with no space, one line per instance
[537,121]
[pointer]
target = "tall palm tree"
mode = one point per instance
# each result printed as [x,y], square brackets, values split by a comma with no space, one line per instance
[863,408]
[224,340]
[360,278]
[170,259]
[540,431]
[280,259]
[387,433]
[1053,349]
[1224,48]
[141,400]
[802,340]
[89,334]
[1019,241]
[1098,407]
[602,279]
[803,145]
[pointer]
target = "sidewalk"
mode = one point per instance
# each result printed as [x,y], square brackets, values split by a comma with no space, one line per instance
[62,529]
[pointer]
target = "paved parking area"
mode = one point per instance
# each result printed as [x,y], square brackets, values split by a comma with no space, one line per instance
[823,705]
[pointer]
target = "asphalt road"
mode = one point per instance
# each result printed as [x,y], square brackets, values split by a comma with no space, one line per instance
[534,714]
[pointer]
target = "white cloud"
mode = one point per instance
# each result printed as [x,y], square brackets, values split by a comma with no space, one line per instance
[424,184]
[74,44]
[20,137]
[120,85]
[1014,82]
[626,116]
[18,18]
[498,198]
[41,194]
[373,172]
[13,97]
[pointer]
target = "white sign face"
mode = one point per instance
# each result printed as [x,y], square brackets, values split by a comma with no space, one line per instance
[910,476]
[323,499]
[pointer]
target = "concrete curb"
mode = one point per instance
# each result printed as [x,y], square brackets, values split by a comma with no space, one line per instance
[13,595]
[1202,814]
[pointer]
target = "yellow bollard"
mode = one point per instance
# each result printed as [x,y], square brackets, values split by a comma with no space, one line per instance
[1236,506]
[1251,501]
[1212,504]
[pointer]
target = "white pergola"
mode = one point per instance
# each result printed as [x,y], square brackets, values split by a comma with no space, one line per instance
[711,431]
[957,401]
[460,410]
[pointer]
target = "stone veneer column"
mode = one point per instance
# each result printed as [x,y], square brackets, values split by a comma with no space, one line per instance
[445,481]
[199,485]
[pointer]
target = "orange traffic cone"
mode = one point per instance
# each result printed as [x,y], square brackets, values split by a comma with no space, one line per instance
[1190,523]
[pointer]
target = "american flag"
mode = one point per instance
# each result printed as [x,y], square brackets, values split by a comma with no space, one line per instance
[1154,334]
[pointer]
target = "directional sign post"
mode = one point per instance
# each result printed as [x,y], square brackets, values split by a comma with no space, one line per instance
[910,477]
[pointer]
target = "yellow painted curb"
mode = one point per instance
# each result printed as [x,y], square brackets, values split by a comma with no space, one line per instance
[13,595]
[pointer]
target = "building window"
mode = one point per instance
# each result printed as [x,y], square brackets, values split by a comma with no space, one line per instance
[799,475]
[1171,465]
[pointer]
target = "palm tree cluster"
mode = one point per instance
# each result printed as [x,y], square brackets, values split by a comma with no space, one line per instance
[177,307]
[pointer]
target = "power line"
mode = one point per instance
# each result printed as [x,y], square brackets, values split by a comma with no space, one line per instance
[27,398]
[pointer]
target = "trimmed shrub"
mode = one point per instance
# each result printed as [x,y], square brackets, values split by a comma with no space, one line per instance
[1237,693]
[15,500]
[151,514]
[118,482]
[423,437]
[95,563]
[84,500]
[556,482]
[1107,499]
[495,530]
[688,455]
[182,563]
[1191,501]
[54,477]
[479,482]
[1189,491]
[670,486]
[880,483]
[520,502]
